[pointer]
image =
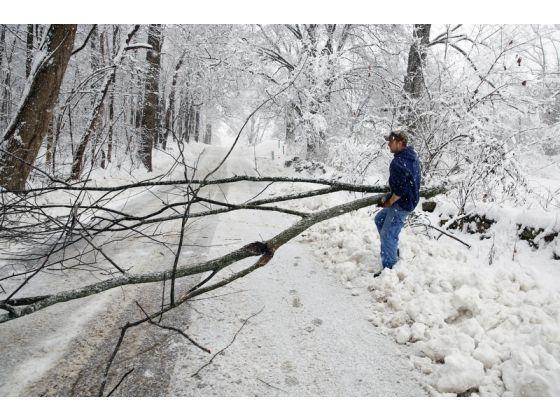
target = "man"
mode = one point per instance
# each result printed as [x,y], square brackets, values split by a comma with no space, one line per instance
[404,182]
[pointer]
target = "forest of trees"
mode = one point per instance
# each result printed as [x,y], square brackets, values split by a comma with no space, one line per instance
[78,97]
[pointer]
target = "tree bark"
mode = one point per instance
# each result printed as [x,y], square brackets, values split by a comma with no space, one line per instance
[414,84]
[95,43]
[6,100]
[190,121]
[28,50]
[290,124]
[414,79]
[50,143]
[196,123]
[149,136]
[23,137]
[2,43]
[111,105]
[3,117]
[104,59]
[208,134]
[170,112]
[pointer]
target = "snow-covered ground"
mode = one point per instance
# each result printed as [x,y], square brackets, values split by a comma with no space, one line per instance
[479,321]
[311,338]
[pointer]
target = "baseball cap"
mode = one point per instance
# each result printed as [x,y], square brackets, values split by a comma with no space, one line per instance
[398,135]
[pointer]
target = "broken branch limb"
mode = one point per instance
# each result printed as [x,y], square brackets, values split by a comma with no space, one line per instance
[232,179]
[263,249]
[444,233]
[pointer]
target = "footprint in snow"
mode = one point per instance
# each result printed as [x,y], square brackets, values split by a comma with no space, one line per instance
[317,321]
[291,380]
[287,366]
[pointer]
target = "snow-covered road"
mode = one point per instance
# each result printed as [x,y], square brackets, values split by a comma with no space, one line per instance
[310,334]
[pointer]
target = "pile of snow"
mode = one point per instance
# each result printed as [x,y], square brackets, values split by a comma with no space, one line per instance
[477,328]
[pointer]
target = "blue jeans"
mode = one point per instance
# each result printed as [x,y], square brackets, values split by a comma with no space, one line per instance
[389,222]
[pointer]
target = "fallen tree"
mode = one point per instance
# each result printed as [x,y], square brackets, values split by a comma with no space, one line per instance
[265,250]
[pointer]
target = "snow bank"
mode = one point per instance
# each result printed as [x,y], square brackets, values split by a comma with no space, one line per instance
[476,328]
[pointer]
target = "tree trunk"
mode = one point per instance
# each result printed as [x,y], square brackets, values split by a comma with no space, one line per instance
[149,136]
[52,140]
[414,80]
[28,50]
[3,117]
[189,122]
[50,143]
[103,60]
[111,104]
[290,124]
[77,164]
[170,112]
[208,134]
[6,100]
[95,43]
[196,123]
[23,137]
[2,43]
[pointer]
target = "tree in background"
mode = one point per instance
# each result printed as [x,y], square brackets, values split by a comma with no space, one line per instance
[23,137]
[150,116]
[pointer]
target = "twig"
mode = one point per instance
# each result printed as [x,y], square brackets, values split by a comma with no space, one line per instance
[120,382]
[203,282]
[110,362]
[272,386]
[218,296]
[444,233]
[166,327]
[230,343]
[77,50]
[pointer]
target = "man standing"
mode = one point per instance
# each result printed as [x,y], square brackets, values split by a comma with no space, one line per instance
[404,182]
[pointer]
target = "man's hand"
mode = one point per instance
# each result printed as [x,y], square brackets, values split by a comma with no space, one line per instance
[389,202]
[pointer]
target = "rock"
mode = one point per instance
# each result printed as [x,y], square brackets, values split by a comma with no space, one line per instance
[429,206]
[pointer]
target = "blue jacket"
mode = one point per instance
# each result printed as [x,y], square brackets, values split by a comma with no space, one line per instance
[404,178]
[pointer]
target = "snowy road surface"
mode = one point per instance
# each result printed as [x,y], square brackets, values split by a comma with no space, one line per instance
[307,333]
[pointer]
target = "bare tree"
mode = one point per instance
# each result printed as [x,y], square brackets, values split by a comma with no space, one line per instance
[29,49]
[24,135]
[150,126]
[196,123]
[170,111]
[95,118]
[414,79]
[111,105]
[414,84]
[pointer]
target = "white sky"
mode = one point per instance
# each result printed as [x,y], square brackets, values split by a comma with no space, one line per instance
[283,11]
